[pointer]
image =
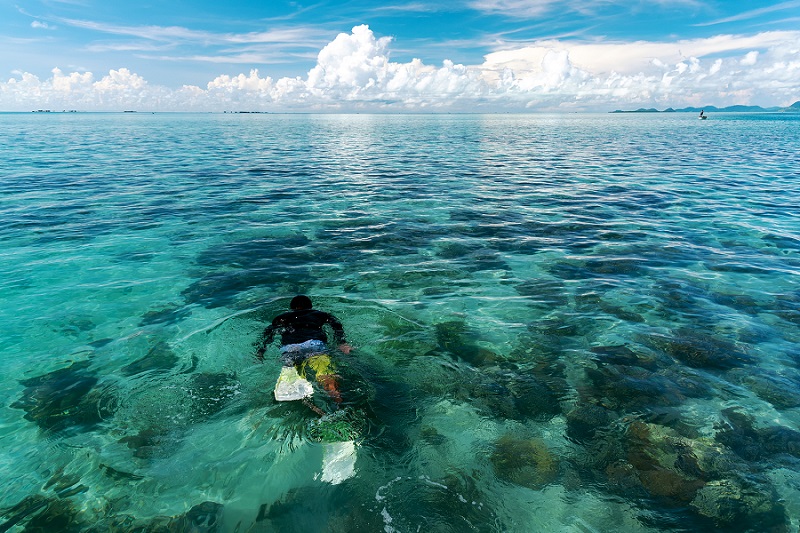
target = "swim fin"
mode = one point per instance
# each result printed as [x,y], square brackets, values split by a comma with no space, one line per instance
[338,461]
[291,386]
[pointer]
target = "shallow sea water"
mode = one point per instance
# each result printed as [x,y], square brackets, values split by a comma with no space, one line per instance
[575,323]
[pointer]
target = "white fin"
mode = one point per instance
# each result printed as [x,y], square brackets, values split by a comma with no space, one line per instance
[338,461]
[291,386]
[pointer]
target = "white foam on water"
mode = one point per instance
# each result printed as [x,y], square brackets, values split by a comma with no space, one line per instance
[380,497]
[428,480]
[387,520]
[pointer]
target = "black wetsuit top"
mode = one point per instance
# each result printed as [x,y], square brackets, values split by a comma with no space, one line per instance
[296,327]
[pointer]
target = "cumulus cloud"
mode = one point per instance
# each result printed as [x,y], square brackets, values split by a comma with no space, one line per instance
[635,57]
[355,72]
[750,59]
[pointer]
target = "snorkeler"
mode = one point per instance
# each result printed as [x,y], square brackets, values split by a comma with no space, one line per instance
[304,345]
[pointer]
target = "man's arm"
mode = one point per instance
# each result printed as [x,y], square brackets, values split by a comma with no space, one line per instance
[338,334]
[266,339]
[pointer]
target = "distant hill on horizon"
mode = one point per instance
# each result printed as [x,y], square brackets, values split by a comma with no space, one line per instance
[794,108]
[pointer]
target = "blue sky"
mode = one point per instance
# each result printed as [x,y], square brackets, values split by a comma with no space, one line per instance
[435,54]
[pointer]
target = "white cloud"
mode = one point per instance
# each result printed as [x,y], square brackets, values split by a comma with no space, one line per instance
[516,8]
[36,24]
[750,59]
[124,47]
[634,57]
[790,5]
[355,72]
[173,34]
[353,60]
[156,33]
[536,8]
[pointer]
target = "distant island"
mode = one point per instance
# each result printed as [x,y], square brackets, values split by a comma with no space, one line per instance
[794,108]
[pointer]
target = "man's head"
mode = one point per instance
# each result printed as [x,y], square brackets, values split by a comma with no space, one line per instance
[300,302]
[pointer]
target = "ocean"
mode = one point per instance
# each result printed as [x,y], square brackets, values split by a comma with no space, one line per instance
[567,323]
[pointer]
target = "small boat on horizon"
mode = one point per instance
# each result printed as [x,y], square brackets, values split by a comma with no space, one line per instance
[703,116]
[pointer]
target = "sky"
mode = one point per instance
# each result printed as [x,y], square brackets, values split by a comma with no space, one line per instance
[397,56]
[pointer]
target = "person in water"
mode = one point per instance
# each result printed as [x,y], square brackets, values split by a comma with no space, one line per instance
[304,343]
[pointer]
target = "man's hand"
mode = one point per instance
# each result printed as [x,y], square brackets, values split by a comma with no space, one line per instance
[345,348]
[260,354]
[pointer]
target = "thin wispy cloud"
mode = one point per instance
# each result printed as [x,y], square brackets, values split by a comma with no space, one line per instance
[127,47]
[526,8]
[411,7]
[23,41]
[155,33]
[298,12]
[753,13]
[294,35]
[535,8]
[246,59]
[299,36]
[72,2]
[247,56]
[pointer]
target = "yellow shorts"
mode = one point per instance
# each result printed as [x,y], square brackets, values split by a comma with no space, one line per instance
[321,364]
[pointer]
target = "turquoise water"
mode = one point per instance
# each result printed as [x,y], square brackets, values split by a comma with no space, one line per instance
[561,323]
